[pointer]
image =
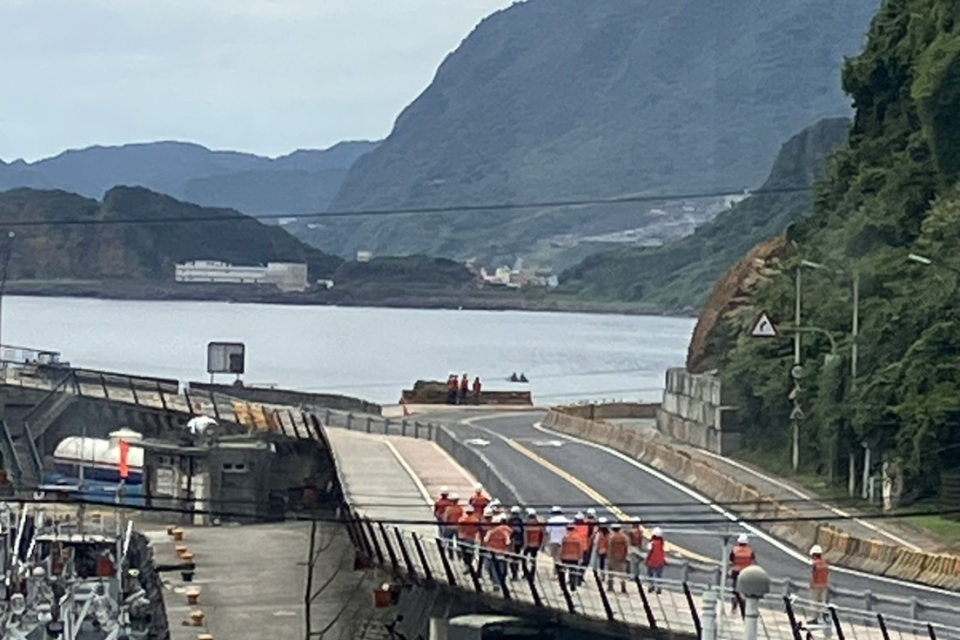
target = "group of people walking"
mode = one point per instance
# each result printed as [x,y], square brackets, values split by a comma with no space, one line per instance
[508,542]
[460,391]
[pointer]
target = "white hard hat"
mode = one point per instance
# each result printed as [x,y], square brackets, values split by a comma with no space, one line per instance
[469,509]
[478,488]
[578,516]
[742,539]
[514,509]
[556,510]
[444,490]
[635,519]
[531,511]
[591,512]
[495,502]
[816,550]
[454,496]
[657,531]
[603,521]
[488,510]
[615,526]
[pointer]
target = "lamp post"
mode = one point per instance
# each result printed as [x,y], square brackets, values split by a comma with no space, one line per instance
[754,584]
[854,358]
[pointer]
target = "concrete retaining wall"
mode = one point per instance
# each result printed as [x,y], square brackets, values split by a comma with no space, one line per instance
[694,411]
[614,410]
[289,397]
[782,521]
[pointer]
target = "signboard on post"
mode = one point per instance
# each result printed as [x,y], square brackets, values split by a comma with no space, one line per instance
[764,327]
[226,357]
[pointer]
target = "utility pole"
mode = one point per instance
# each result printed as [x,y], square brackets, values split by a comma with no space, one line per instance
[854,353]
[3,282]
[795,392]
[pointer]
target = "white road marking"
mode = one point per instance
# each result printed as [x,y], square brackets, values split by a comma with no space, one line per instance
[800,494]
[413,476]
[734,518]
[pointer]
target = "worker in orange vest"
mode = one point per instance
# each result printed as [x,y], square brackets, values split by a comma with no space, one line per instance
[618,548]
[498,543]
[572,550]
[452,388]
[439,508]
[819,580]
[468,530]
[451,518]
[635,555]
[464,388]
[534,535]
[656,559]
[583,530]
[601,536]
[477,390]
[741,557]
[479,500]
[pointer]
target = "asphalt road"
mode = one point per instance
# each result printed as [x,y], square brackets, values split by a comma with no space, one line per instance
[633,489]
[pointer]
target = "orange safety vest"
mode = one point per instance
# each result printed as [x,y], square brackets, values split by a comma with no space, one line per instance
[533,535]
[582,529]
[657,556]
[821,573]
[602,540]
[479,502]
[572,549]
[469,527]
[453,514]
[617,546]
[743,557]
[464,384]
[498,540]
[440,506]
[636,537]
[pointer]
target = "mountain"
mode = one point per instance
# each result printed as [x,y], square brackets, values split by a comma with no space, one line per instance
[890,193]
[303,181]
[96,247]
[563,99]
[680,274]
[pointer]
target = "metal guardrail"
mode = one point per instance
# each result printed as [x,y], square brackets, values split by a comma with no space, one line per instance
[661,604]
[680,570]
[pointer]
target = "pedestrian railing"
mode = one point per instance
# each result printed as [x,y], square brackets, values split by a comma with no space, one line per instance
[658,604]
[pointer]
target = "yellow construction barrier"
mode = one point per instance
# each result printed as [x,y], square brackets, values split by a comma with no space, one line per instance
[909,565]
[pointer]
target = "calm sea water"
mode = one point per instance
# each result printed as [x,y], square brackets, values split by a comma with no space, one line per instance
[367,352]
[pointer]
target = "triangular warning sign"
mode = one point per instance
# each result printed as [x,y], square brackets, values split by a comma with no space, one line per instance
[764,327]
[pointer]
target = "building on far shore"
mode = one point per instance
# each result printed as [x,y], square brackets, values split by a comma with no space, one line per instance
[288,276]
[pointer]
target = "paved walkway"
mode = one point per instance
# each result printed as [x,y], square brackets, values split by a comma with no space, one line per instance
[798,497]
[395,478]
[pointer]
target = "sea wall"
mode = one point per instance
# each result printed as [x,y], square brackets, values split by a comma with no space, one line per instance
[694,410]
[268,395]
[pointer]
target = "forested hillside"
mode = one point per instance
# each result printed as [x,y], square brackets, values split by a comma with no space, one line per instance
[892,192]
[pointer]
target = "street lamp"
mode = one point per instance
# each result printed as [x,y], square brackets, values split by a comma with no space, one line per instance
[854,357]
[924,260]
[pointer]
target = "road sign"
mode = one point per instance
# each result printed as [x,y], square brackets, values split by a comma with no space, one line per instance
[477,442]
[764,327]
[796,371]
[796,414]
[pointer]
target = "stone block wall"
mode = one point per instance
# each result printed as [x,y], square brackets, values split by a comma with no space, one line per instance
[694,411]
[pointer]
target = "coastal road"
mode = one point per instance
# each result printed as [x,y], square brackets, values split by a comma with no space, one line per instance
[549,468]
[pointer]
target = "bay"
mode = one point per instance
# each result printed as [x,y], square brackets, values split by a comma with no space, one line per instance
[367,352]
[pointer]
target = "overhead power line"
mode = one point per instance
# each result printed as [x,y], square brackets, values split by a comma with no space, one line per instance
[402,211]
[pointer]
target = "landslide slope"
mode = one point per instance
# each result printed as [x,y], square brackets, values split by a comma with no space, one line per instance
[890,193]
[559,99]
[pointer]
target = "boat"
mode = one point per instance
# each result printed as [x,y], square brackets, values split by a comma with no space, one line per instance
[98,459]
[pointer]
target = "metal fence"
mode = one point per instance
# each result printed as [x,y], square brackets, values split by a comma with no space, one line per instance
[680,570]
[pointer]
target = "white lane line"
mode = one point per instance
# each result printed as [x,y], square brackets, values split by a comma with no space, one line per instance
[734,518]
[803,496]
[413,476]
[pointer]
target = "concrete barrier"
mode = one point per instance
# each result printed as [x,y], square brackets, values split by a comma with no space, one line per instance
[783,522]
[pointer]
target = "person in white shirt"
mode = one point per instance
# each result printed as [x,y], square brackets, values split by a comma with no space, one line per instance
[556,530]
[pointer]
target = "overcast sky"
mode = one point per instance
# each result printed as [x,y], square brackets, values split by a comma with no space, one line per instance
[266,76]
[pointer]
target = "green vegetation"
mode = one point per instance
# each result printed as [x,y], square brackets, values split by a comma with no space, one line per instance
[561,99]
[891,192]
[681,274]
[148,251]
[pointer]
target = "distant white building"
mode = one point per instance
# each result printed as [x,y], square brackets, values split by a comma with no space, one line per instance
[288,276]
[364,256]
